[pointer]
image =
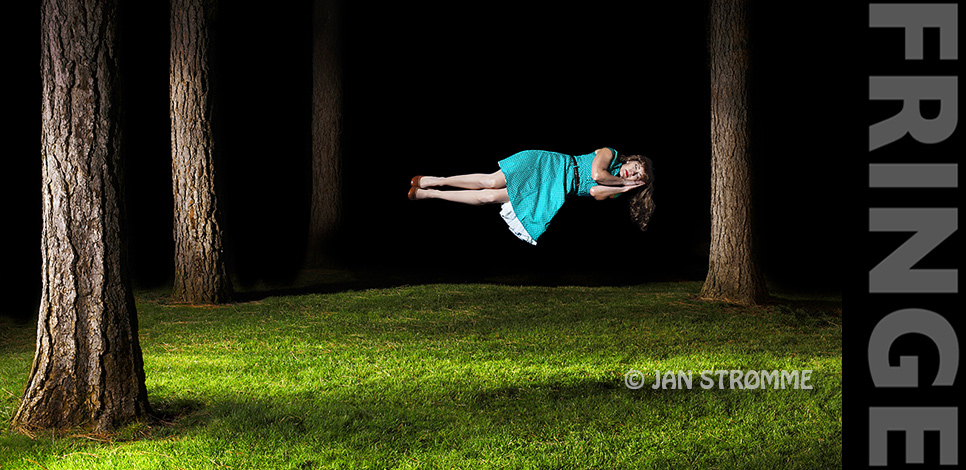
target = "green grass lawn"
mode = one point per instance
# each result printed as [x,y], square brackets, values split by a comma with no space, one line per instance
[460,376]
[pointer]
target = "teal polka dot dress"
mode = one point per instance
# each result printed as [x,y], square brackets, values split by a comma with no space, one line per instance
[539,182]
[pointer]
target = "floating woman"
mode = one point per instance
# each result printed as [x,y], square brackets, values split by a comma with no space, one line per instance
[533,185]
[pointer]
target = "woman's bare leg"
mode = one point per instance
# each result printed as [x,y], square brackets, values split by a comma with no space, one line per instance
[471,181]
[474,197]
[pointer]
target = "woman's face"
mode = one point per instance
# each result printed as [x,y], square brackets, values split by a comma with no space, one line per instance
[632,171]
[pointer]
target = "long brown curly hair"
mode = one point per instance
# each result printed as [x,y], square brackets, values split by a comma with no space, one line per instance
[641,203]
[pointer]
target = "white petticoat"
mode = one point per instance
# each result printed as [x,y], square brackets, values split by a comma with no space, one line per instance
[510,217]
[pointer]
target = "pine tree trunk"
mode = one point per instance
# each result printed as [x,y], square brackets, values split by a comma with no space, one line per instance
[87,367]
[733,271]
[200,276]
[326,132]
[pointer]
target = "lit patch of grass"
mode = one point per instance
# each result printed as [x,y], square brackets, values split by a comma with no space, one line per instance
[457,376]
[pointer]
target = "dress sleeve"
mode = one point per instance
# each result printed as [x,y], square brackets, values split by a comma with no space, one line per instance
[615,166]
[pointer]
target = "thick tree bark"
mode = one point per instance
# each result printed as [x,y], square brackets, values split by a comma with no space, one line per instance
[87,365]
[200,275]
[326,131]
[733,270]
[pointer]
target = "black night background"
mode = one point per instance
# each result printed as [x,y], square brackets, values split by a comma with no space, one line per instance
[443,90]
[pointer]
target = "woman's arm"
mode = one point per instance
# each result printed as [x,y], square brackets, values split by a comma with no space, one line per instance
[601,192]
[599,166]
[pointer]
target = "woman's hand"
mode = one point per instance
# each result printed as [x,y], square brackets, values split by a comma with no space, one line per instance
[630,184]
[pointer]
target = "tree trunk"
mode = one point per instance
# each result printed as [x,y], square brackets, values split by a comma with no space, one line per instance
[87,366]
[200,276]
[733,271]
[326,131]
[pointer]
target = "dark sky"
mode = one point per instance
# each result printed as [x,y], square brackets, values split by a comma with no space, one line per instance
[452,88]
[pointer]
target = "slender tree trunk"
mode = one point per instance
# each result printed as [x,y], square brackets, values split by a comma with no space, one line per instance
[87,367]
[733,270]
[200,276]
[326,131]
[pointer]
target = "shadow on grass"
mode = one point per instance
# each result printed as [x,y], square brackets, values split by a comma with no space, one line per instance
[339,415]
[17,336]
[808,307]
[179,412]
[814,311]
[401,417]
